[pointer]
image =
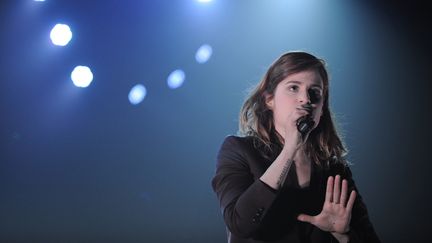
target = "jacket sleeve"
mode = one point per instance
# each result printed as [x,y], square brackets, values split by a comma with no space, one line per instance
[361,228]
[243,200]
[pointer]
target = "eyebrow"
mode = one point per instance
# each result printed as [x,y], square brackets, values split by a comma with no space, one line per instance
[298,82]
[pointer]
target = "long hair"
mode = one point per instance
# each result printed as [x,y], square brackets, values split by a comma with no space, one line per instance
[256,119]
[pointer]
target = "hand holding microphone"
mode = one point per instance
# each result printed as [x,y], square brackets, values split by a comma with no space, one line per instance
[301,124]
[305,124]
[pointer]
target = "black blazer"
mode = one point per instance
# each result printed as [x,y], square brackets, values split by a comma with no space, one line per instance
[254,212]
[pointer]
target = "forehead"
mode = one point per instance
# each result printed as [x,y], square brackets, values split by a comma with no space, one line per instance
[308,77]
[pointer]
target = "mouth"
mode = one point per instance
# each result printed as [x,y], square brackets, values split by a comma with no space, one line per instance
[306,109]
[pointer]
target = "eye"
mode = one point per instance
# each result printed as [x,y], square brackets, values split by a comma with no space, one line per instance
[293,88]
[315,95]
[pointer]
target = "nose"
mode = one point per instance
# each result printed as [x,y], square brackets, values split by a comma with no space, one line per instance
[304,98]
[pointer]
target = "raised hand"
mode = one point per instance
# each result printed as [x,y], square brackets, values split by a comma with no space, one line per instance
[336,213]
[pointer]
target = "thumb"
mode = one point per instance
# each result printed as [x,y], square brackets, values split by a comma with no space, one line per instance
[305,218]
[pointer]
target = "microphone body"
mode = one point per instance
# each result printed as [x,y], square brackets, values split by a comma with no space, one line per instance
[305,124]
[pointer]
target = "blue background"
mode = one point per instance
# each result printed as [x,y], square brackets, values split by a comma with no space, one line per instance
[84,165]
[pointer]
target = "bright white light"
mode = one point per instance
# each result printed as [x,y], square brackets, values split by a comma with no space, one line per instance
[203,54]
[137,94]
[39,0]
[61,34]
[176,79]
[204,1]
[82,76]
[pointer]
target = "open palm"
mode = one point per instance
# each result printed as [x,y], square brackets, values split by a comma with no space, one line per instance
[336,213]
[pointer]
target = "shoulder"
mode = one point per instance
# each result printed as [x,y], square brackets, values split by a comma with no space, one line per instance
[233,140]
[236,142]
[236,147]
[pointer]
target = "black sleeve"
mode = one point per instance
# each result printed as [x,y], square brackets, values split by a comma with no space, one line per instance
[243,200]
[361,228]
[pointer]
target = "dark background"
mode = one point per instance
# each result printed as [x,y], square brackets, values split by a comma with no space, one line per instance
[84,165]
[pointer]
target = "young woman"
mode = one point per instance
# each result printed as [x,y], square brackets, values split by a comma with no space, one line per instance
[286,178]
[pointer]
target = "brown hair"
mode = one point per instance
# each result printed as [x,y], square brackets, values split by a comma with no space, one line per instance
[256,119]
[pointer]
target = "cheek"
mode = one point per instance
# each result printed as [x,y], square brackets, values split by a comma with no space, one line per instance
[281,109]
[317,119]
[284,105]
[318,115]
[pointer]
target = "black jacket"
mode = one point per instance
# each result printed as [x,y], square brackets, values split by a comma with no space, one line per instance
[254,212]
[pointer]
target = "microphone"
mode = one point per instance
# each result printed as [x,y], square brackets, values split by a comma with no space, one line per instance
[305,124]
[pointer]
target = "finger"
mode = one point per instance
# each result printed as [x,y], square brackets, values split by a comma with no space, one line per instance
[329,190]
[336,190]
[306,218]
[344,192]
[351,200]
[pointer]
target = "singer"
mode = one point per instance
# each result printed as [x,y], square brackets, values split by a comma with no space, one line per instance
[286,178]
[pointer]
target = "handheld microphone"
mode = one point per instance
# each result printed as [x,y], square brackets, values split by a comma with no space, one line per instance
[305,124]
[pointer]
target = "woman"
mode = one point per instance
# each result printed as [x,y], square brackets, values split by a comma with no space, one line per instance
[286,179]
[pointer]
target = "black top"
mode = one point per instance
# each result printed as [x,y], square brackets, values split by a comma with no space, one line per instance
[254,212]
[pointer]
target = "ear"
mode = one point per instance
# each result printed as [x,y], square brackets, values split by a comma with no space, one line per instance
[269,101]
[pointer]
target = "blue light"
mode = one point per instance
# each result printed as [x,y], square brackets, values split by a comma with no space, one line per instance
[176,79]
[137,94]
[203,54]
[82,76]
[61,34]
[204,1]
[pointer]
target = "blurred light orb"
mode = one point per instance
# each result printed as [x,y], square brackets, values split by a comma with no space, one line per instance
[204,1]
[137,94]
[176,79]
[203,54]
[61,34]
[82,76]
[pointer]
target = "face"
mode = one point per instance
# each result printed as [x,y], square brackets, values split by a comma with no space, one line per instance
[297,95]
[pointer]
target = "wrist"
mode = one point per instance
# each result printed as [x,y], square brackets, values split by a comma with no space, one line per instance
[289,150]
[341,237]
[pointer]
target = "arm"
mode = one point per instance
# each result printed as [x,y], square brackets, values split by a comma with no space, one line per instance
[277,172]
[341,238]
[244,200]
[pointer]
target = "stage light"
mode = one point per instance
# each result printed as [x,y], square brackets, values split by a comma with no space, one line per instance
[137,94]
[176,79]
[204,1]
[203,54]
[82,76]
[61,34]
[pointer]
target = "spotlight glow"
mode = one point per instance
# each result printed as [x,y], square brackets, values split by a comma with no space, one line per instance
[176,79]
[204,1]
[82,76]
[203,54]
[137,94]
[61,34]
